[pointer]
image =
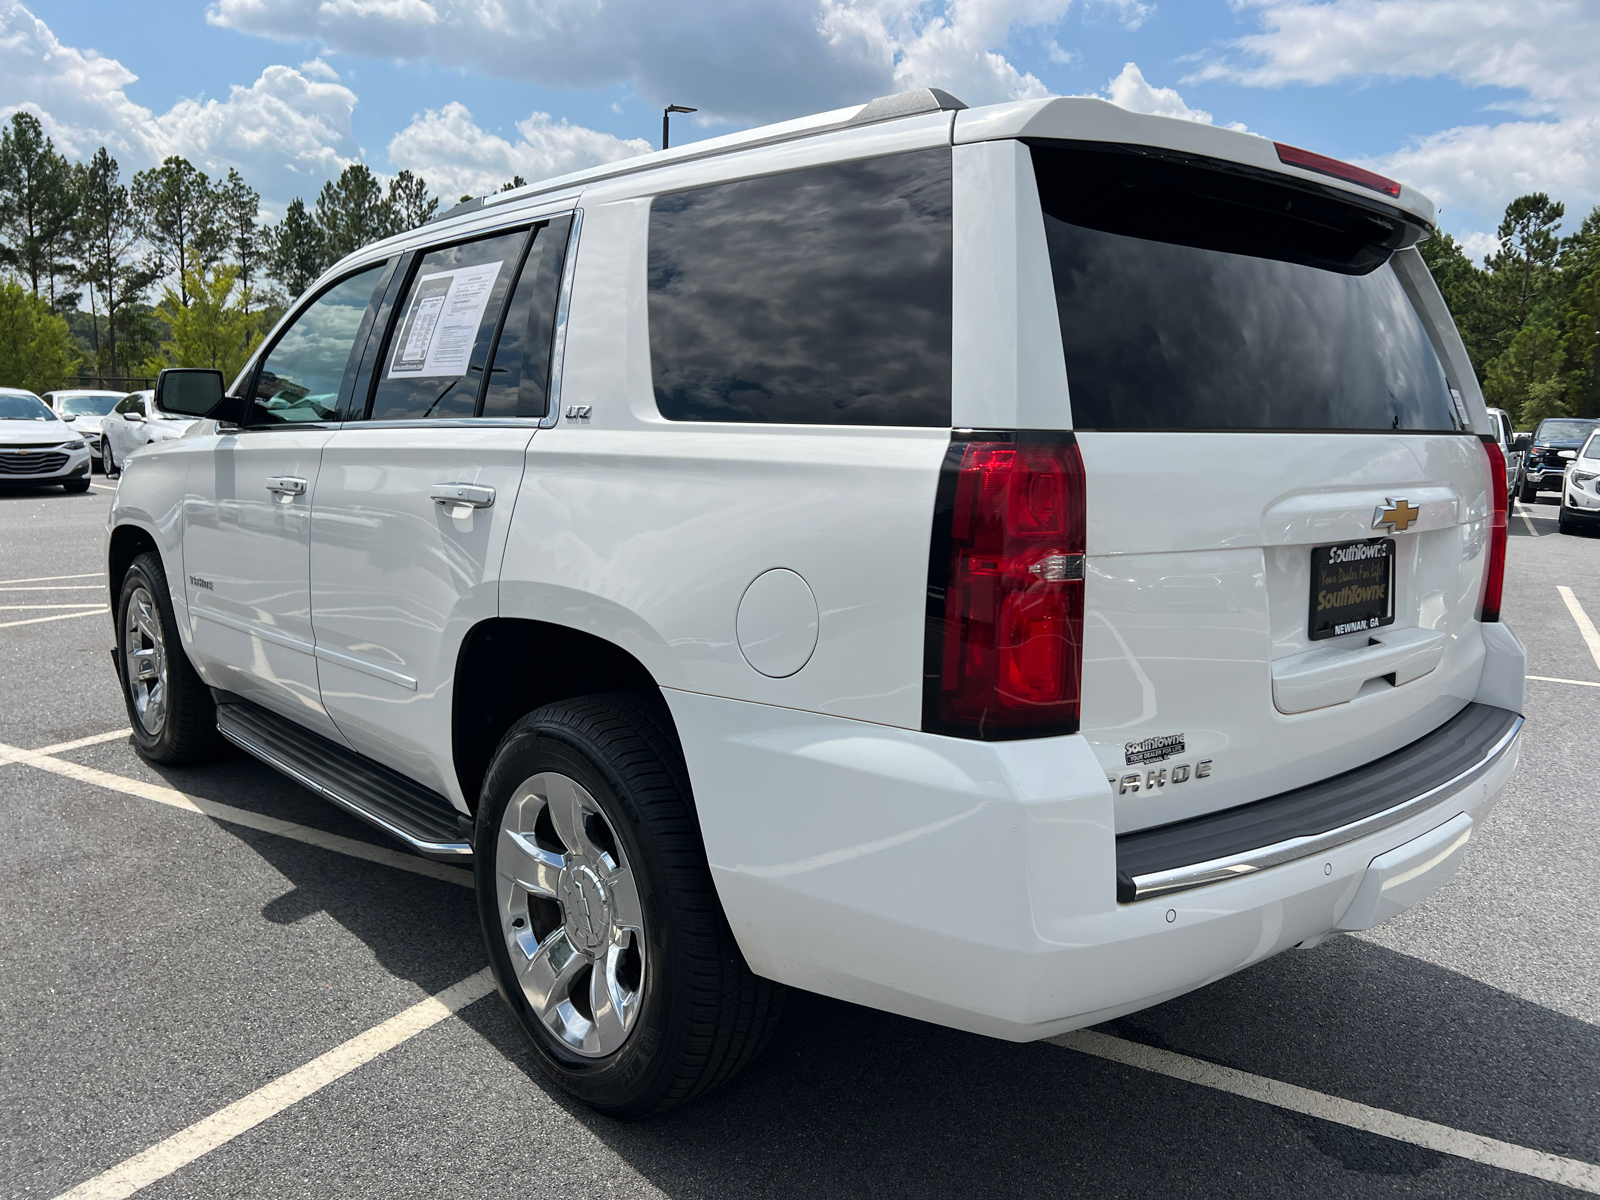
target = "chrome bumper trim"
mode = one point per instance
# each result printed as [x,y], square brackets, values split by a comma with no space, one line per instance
[1217,870]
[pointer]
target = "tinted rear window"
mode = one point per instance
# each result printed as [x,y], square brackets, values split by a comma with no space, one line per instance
[1195,298]
[813,297]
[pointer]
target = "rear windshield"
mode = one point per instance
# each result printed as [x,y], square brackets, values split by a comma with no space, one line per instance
[1192,297]
[1563,431]
[88,406]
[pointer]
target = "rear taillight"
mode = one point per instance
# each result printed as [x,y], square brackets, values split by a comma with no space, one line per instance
[1004,650]
[1495,576]
[1323,165]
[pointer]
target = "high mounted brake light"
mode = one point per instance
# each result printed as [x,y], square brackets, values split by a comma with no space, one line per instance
[1004,649]
[1323,165]
[1494,575]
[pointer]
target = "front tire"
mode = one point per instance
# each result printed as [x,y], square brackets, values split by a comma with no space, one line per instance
[1563,523]
[1529,493]
[76,485]
[170,708]
[604,930]
[108,464]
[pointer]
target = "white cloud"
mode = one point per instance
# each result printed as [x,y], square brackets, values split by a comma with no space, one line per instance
[448,149]
[1541,50]
[1132,91]
[317,69]
[285,133]
[1479,246]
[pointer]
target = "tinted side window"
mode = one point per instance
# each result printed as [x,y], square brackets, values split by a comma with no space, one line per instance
[433,363]
[300,379]
[130,404]
[816,297]
[519,378]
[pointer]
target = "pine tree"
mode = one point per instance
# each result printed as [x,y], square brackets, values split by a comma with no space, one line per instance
[107,233]
[178,212]
[239,206]
[410,202]
[297,254]
[37,203]
[352,211]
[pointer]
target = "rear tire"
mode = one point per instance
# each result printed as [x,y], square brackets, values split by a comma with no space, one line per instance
[170,708]
[638,1000]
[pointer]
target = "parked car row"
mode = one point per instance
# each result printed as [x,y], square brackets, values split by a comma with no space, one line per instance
[59,437]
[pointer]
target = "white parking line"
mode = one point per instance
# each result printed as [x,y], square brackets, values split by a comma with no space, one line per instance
[1591,636]
[94,739]
[37,607]
[53,578]
[60,587]
[1508,1156]
[1527,520]
[173,798]
[1553,679]
[58,617]
[221,1127]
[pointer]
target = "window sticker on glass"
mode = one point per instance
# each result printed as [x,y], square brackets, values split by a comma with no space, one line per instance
[442,321]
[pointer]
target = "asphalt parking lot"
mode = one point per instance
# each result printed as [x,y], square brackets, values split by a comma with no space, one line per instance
[214,984]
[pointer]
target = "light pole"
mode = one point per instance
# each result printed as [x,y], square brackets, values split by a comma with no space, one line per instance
[666,116]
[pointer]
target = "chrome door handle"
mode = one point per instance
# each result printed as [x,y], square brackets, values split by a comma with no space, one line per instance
[287,485]
[462,495]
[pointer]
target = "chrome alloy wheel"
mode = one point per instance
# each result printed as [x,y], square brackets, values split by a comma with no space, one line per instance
[145,651]
[571,915]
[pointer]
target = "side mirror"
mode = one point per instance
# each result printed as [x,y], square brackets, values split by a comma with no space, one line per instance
[193,392]
[133,416]
[1522,441]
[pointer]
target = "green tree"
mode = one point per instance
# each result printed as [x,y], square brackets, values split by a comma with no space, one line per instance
[1530,366]
[107,234]
[1522,273]
[214,329]
[297,254]
[239,207]
[514,182]
[37,202]
[1462,285]
[353,211]
[179,213]
[35,344]
[410,202]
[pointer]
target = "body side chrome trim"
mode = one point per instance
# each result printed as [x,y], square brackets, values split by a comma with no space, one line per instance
[267,634]
[1193,875]
[461,850]
[368,668]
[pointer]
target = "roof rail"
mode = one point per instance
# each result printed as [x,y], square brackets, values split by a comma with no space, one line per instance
[885,108]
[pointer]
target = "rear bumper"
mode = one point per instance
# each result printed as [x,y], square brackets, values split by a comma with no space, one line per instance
[974,885]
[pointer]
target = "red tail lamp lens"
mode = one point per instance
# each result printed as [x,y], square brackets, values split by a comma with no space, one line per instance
[1324,165]
[1494,576]
[1005,609]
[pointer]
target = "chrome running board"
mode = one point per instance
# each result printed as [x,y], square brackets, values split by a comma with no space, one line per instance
[419,817]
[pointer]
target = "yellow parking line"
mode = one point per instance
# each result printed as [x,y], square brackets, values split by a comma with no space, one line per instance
[221,1127]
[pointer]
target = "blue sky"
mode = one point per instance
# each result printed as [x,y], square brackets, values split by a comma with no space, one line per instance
[1474,101]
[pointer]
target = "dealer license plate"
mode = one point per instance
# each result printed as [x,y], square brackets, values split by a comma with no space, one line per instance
[1352,587]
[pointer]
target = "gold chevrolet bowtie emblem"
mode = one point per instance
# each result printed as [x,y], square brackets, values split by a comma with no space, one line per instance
[1398,516]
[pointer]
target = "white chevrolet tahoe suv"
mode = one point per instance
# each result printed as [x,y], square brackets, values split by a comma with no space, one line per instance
[1004,566]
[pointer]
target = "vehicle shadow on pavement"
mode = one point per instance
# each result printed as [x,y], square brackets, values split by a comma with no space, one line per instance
[848,1101]
[852,1102]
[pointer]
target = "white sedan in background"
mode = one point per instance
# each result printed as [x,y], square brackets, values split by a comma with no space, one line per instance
[83,409]
[135,422]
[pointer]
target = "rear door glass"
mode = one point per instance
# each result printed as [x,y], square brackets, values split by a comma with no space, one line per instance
[519,379]
[441,339]
[1194,298]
